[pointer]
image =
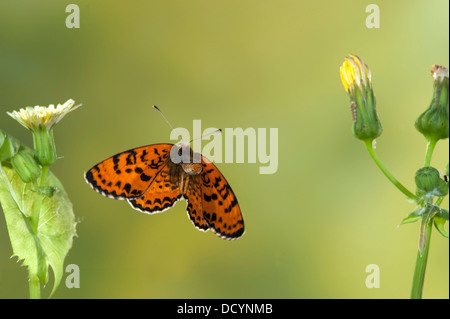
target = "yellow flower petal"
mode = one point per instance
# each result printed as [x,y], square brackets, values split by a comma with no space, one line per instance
[354,72]
[344,79]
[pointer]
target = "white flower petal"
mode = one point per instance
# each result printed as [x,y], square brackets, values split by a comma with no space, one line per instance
[33,117]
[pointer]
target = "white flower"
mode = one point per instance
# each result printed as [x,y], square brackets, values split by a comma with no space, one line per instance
[33,117]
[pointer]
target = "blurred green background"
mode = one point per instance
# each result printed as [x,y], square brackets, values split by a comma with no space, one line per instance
[311,228]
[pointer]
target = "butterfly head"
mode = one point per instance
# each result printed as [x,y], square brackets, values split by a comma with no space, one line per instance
[192,168]
[182,154]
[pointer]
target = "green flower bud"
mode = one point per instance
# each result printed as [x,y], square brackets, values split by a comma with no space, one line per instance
[433,123]
[25,166]
[9,146]
[430,184]
[356,78]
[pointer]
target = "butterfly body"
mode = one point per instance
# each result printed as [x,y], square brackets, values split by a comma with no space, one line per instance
[153,178]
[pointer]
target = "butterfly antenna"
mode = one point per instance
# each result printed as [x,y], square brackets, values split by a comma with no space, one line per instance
[167,121]
[201,137]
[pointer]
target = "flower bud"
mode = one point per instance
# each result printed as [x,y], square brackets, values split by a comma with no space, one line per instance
[356,78]
[9,146]
[25,166]
[433,123]
[429,183]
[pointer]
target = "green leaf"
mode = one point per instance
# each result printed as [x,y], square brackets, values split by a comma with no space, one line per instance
[440,220]
[48,242]
[414,216]
[24,242]
[443,213]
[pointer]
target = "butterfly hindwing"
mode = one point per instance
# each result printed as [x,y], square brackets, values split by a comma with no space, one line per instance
[128,175]
[220,207]
[193,196]
[163,192]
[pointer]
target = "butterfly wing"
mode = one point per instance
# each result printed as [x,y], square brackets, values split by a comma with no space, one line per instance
[220,207]
[163,192]
[193,196]
[129,174]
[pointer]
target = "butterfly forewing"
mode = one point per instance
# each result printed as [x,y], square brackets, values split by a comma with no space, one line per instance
[128,175]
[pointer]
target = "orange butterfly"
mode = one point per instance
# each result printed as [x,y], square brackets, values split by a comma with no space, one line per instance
[152,182]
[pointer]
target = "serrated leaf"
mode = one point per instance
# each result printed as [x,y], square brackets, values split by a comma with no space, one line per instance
[48,243]
[25,243]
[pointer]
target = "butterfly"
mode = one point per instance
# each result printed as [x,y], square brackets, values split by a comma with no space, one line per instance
[152,180]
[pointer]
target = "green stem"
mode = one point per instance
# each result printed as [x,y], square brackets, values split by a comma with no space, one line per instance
[430,148]
[35,289]
[380,165]
[421,265]
[422,256]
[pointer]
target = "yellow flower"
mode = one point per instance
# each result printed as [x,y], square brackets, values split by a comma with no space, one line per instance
[34,117]
[355,72]
[357,81]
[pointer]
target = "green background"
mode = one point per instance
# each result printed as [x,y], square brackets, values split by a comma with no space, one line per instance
[311,228]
